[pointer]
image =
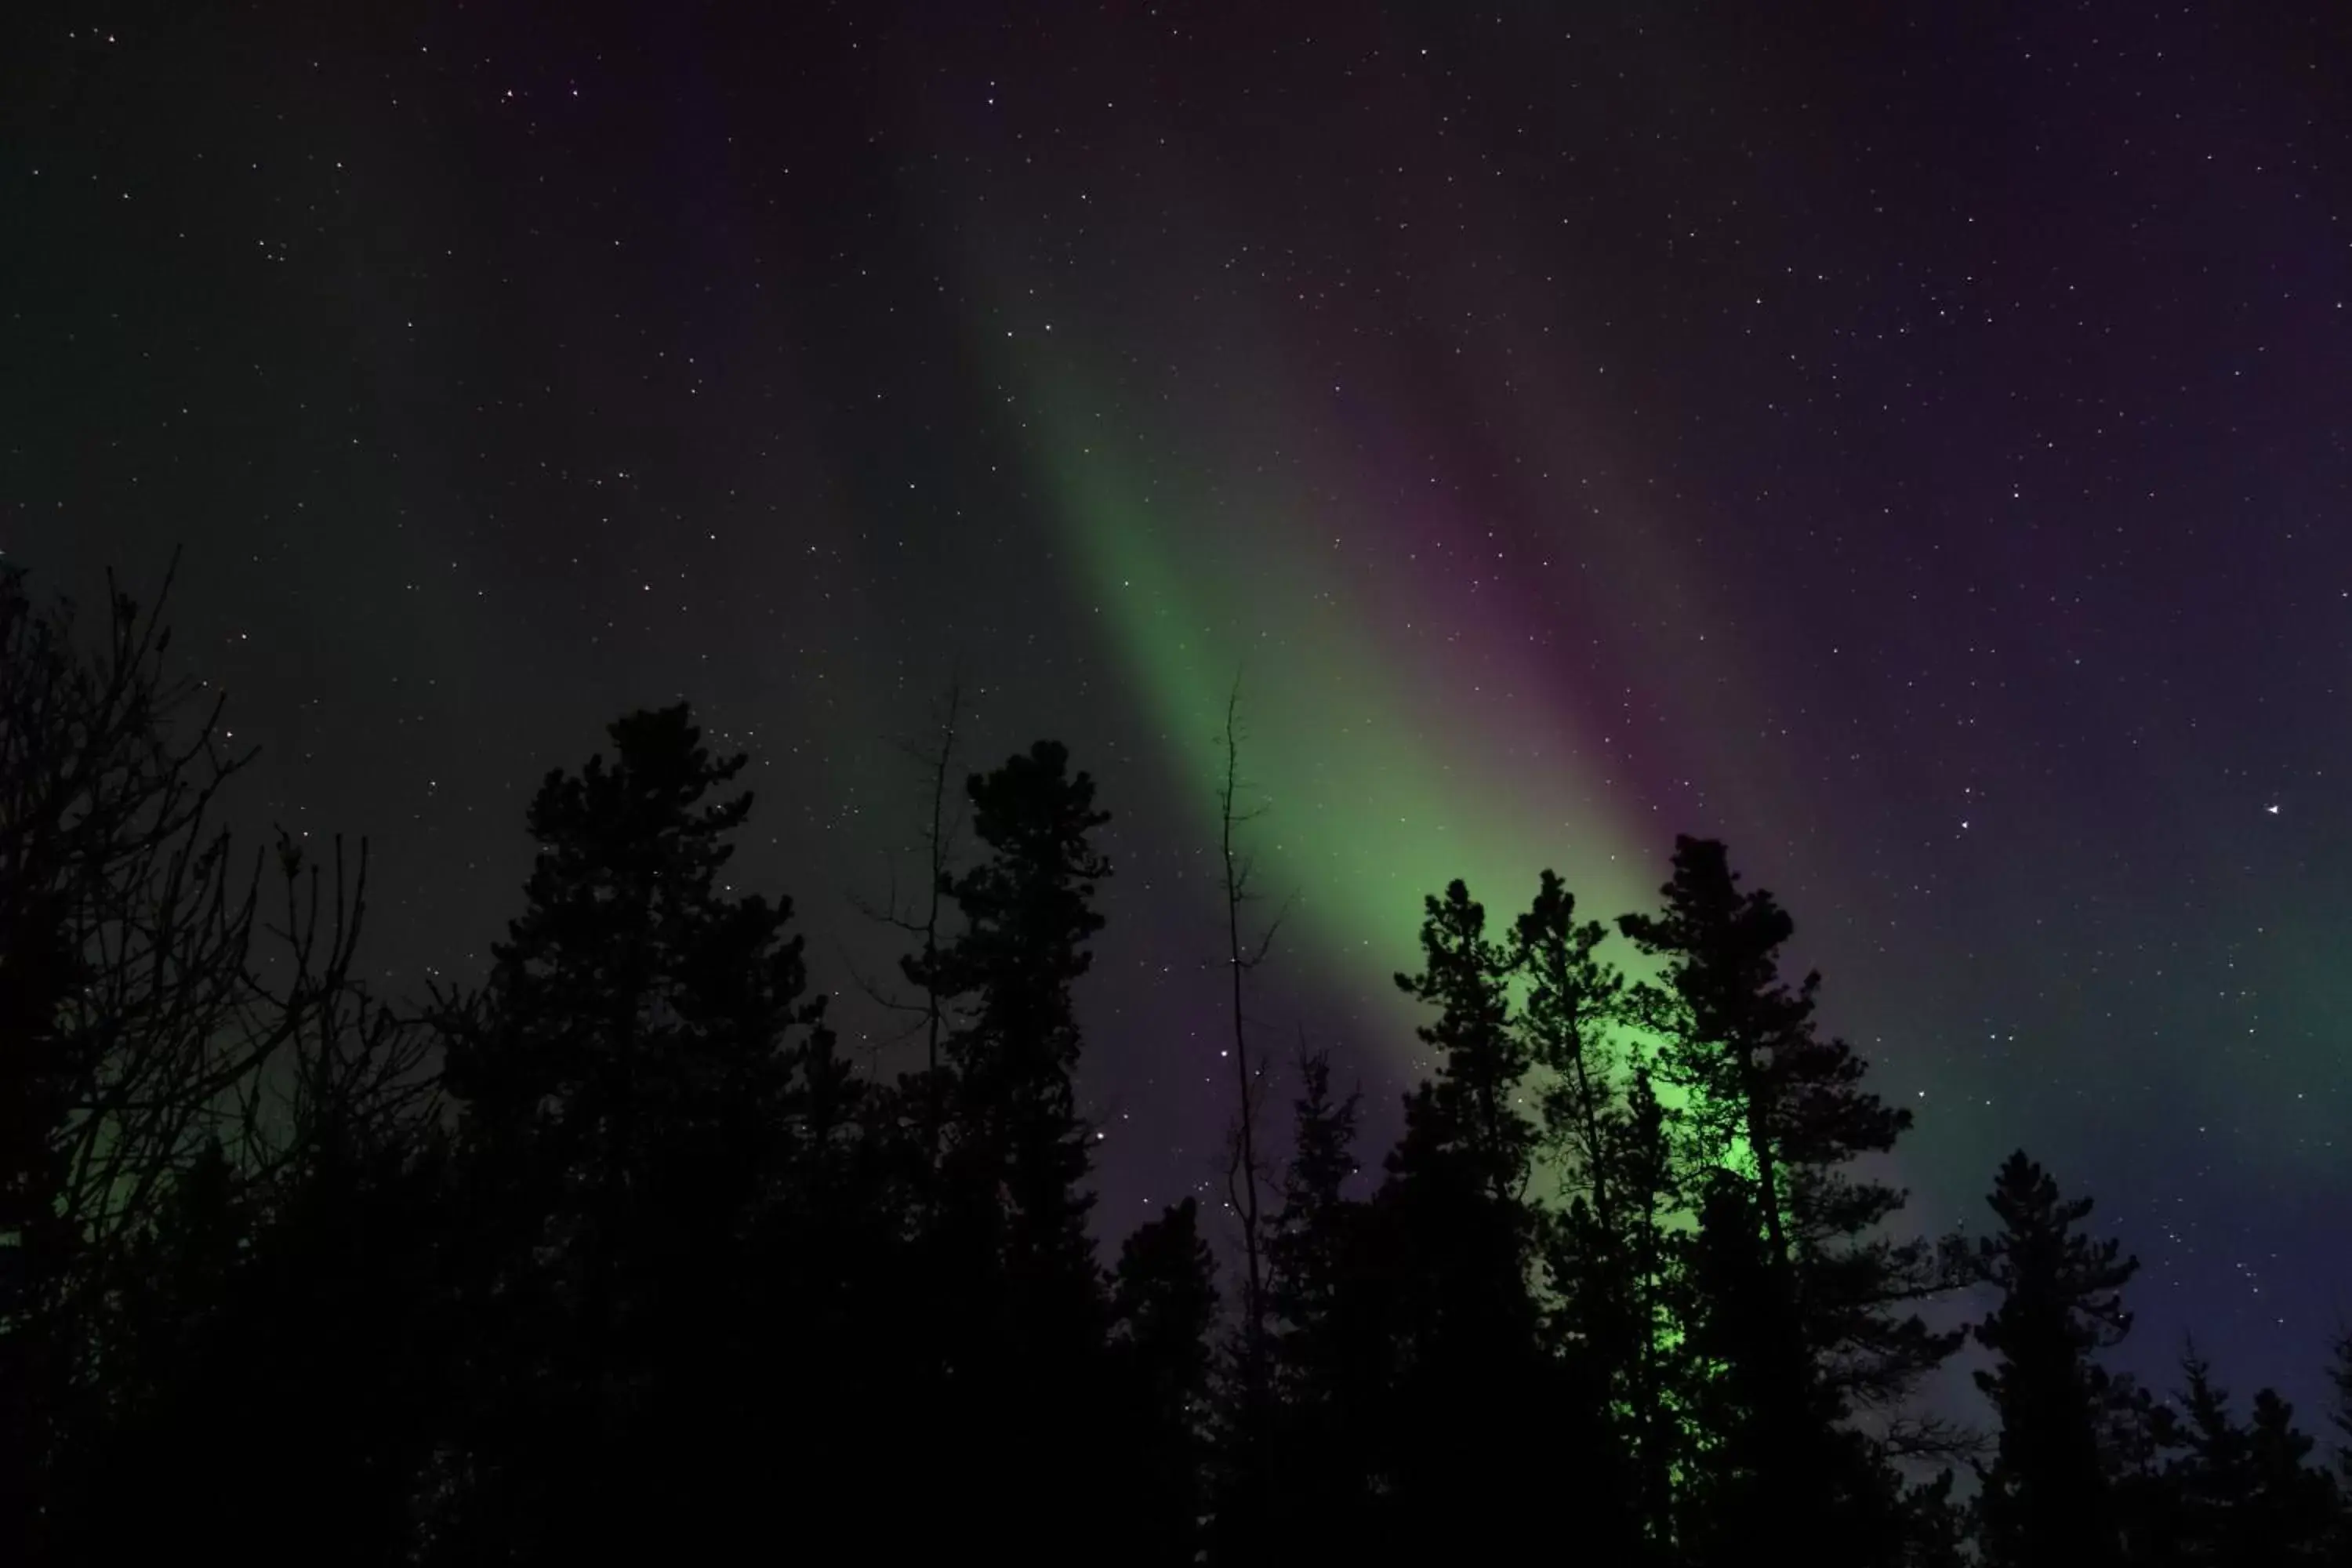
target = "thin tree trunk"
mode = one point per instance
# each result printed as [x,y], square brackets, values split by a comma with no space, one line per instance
[934,1016]
[1247,1177]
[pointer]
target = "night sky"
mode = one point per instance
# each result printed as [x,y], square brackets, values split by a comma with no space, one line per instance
[1911,447]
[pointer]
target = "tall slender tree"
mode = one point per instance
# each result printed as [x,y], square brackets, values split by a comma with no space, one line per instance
[2046,1498]
[2339,1415]
[1307,1240]
[1469,1111]
[2295,1505]
[644,1060]
[1474,1407]
[1023,1305]
[1245,1172]
[1163,1313]
[1028,913]
[1607,1243]
[1801,1306]
[928,1090]
[1293,1487]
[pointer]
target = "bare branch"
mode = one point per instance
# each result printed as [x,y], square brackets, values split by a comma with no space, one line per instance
[1245,1179]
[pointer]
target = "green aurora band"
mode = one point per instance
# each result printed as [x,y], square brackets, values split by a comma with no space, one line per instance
[1378,791]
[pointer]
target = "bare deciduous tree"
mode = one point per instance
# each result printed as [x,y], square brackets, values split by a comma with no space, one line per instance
[1245,1173]
[141,1024]
[936,755]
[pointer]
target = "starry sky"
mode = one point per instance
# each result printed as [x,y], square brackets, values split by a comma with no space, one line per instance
[1906,441]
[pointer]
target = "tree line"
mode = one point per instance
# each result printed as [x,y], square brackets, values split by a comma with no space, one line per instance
[616,1256]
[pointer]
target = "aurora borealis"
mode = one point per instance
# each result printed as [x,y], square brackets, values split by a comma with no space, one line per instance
[1910,448]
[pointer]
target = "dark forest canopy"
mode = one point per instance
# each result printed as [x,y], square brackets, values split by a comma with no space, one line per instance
[616,1256]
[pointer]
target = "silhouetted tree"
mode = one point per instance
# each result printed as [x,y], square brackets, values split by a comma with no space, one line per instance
[1296,1486]
[2339,1417]
[2243,1495]
[1573,998]
[1028,914]
[1799,1302]
[1474,1409]
[153,1032]
[1468,1112]
[2045,1497]
[675,1277]
[1163,1312]
[643,1061]
[293,1328]
[924,1093]
[123,932]
[2134,1431]
[1608,1245]
[1307,1243]
[1936,1533]
[1245,1179]
[2295,1504]
[1007,1253]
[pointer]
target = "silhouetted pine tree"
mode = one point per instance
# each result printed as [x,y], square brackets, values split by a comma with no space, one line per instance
[2339,1417]
[1307,1242]
[1295,1489]
[2243,1495]
[2134,1429]
[1007,1255]
[1468,1112]
[2340,1384]
[680,1278]
[1163,1311]
[1474,1411]
[1798,1305]
[1608,1247]
[2045,1500]
[2295,1503]
[1028,913]
[638,1072]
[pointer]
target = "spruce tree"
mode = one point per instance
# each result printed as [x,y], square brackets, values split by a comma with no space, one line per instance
[2339,1385]
[2045,1500]
[632,1083]
[2135,1432]
[1469,1111]
[2295,1503]
[1163,1311]
[1294,1488]
[2339,1417]
[1608,1246]
[2244,1494]
[1474,1410]
[1801,1307]
[1019,1339]
[1028,913]
[1306,1244]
